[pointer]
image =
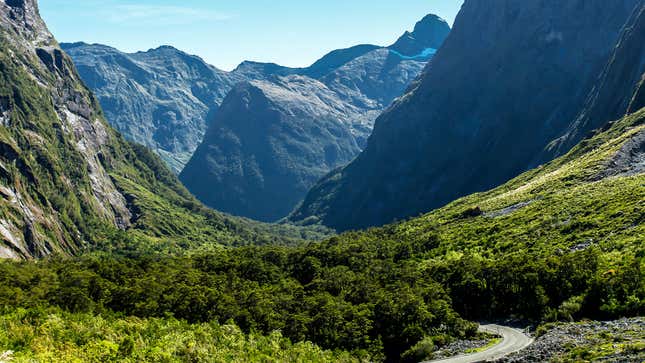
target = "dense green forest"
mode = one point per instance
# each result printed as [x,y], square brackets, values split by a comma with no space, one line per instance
[56,336]
[557,243]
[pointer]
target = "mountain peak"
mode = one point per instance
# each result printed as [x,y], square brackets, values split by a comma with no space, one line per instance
[429,32]
[166,47]
[428,23]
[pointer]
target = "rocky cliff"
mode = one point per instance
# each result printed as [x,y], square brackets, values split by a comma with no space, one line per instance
[510,78]
[49,123]
[616,89]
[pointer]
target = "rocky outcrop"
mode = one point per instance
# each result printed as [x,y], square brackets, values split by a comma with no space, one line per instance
[629,160]
[595,339]
[279,136]
[510,78]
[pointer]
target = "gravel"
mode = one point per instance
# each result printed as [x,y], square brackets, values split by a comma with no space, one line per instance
[623,341]
[460,347]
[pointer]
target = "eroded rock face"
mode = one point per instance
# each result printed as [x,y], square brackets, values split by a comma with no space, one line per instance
[48,111]
[629,160]
[510,78]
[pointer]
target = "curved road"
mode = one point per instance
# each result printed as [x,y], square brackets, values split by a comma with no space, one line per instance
[513,340]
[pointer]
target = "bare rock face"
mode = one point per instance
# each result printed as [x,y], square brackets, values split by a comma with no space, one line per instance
[618,90]
[430,32]
[510,78]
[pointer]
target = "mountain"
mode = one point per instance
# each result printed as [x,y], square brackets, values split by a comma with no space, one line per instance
[429,33]
[279,136]
[616,89]
[68,181]
[337,58]
[510,78]
[268,143]
[165,98]
[160,98]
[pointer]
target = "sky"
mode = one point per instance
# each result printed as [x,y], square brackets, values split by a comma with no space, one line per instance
[292,33]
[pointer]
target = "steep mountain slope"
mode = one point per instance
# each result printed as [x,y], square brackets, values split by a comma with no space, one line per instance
[279,136]
[616,87]
[268,143]
[372,82]
[159,98]
[429,33]
[67,180]
[510,78]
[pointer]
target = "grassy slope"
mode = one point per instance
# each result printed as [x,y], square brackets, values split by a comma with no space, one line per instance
[168,219]
[579,242]
[567,207]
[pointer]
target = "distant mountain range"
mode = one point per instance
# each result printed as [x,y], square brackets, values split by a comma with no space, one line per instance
[164,98]
[507,91]
[273,139]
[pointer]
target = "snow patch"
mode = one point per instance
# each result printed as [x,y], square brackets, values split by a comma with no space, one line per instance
[428,52]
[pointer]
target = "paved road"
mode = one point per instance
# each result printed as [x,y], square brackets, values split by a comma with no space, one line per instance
[513,341]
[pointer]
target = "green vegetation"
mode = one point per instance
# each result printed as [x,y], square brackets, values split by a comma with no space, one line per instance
[493,342]
[570,248]
[361,302]
[55,336]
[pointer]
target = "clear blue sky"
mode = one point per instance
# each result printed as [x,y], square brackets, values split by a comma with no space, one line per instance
[226,32]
